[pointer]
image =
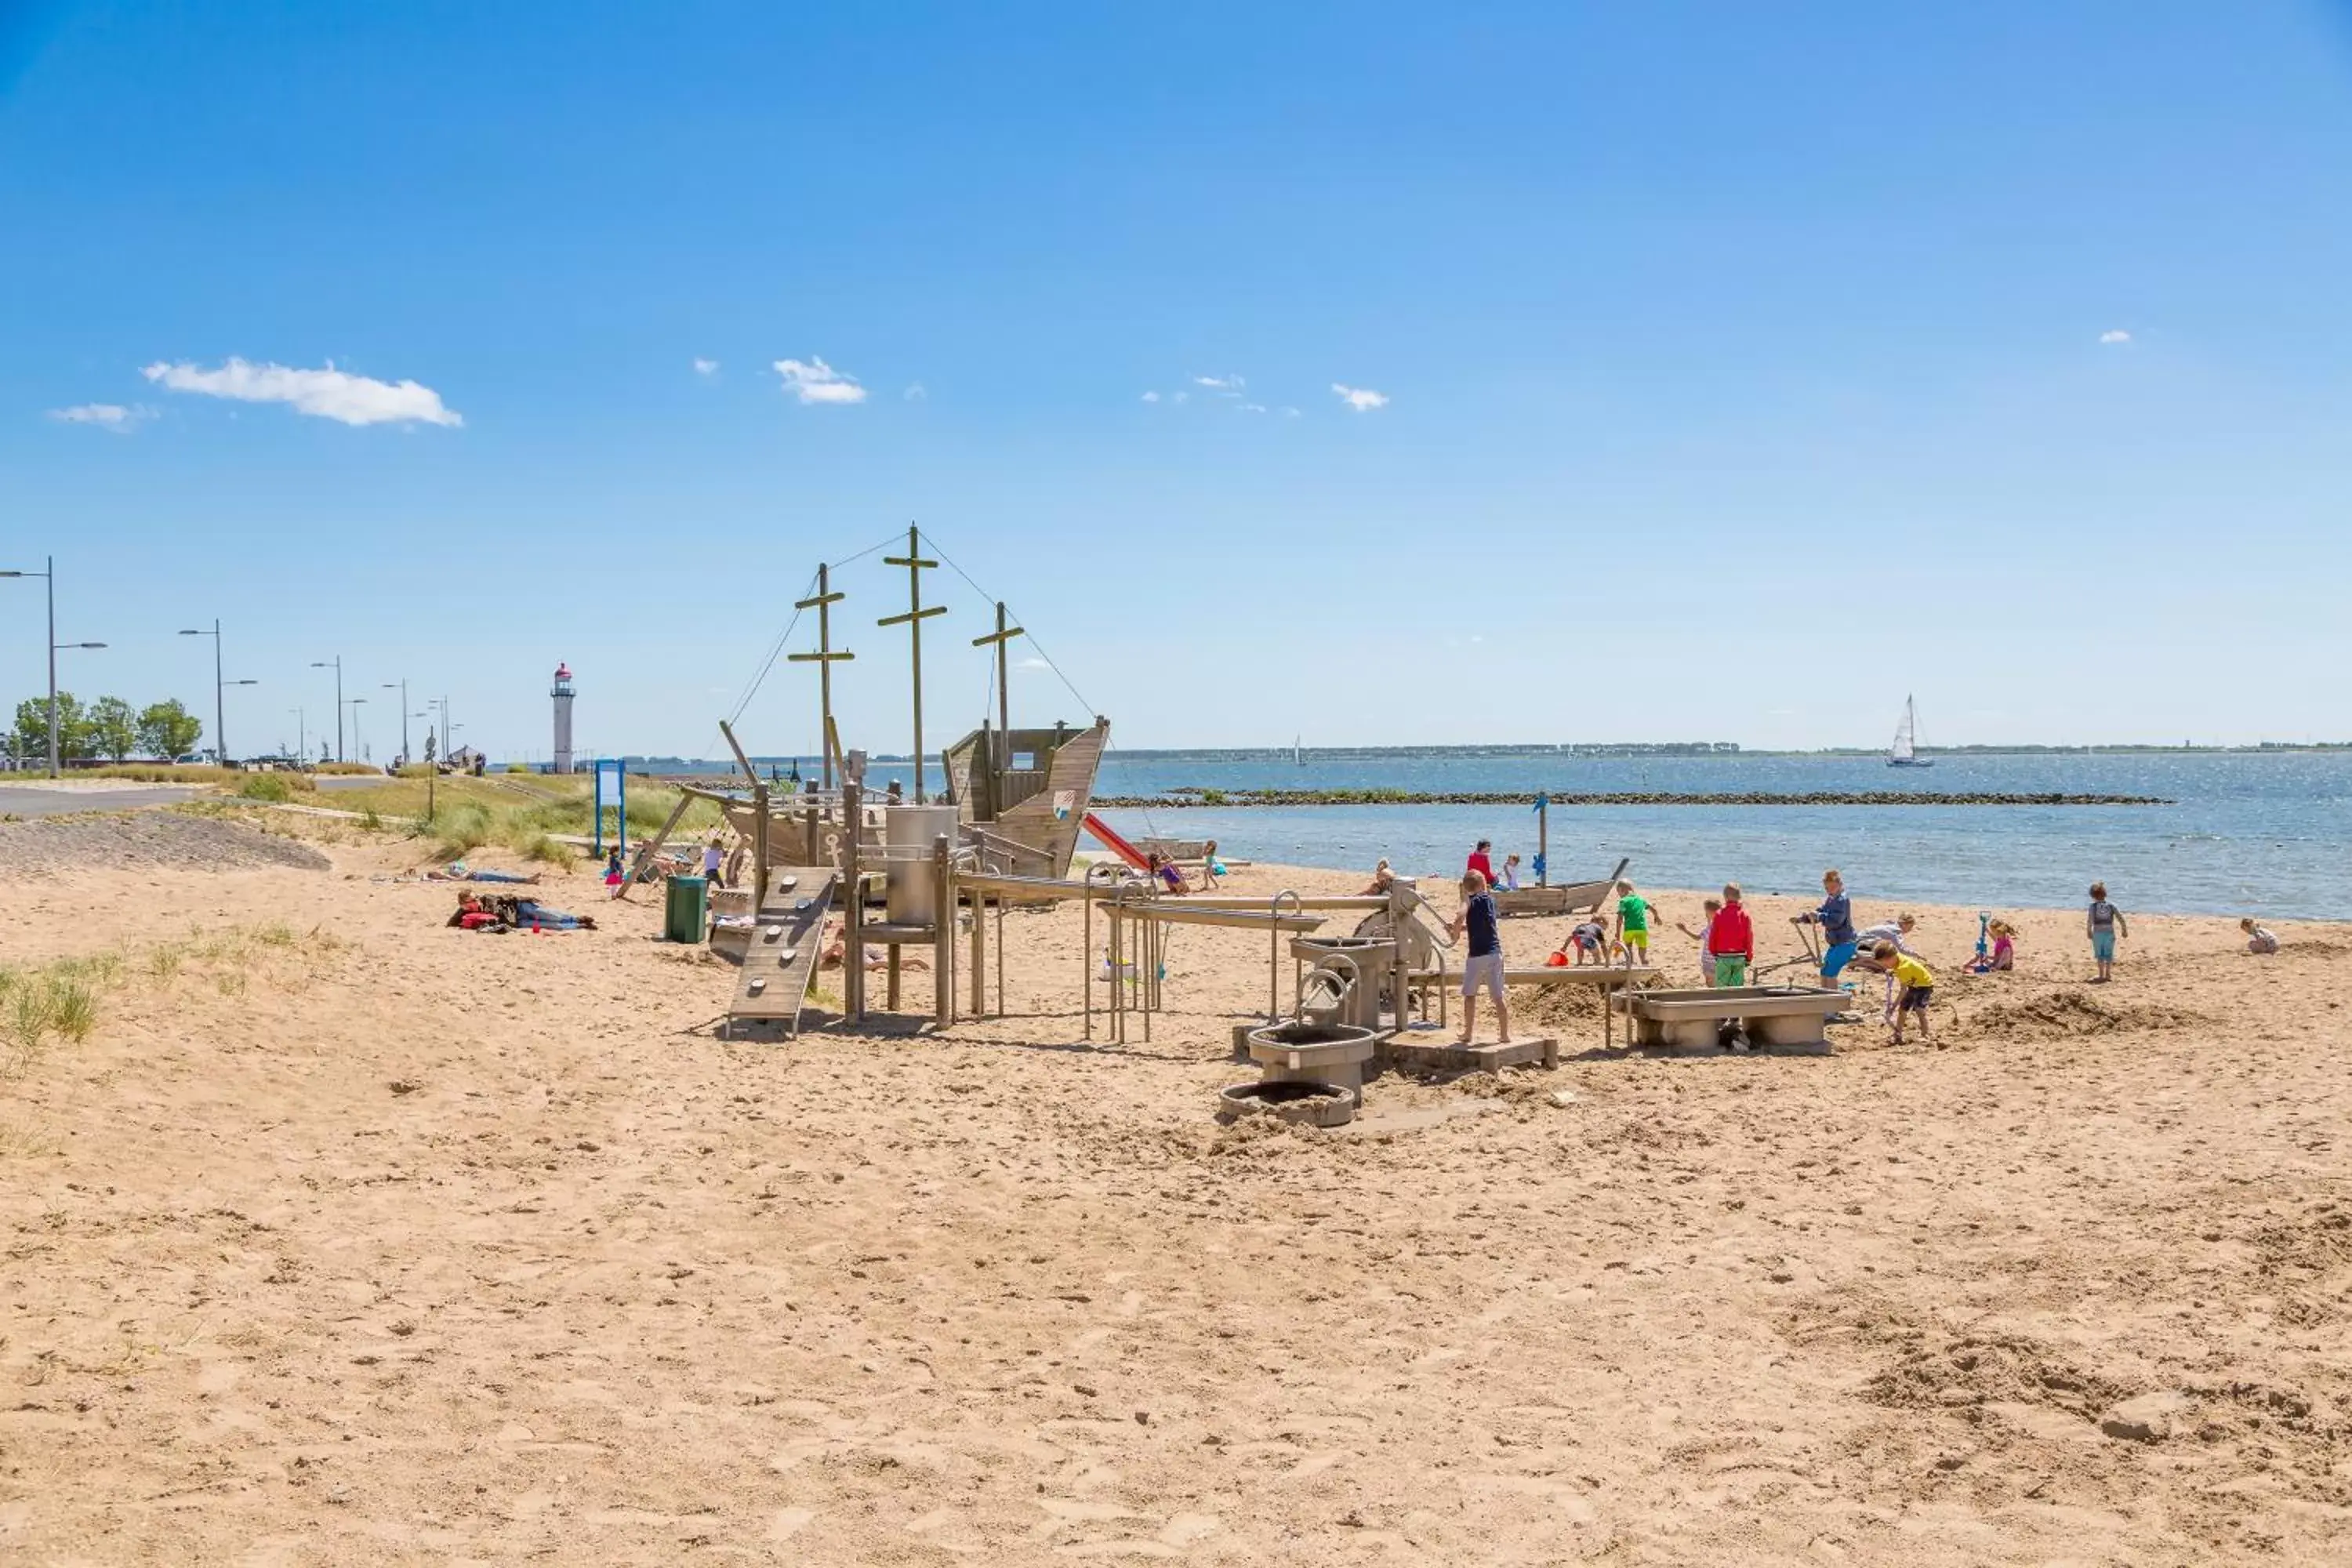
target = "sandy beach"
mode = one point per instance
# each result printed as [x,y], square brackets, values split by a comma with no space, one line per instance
[347,1237]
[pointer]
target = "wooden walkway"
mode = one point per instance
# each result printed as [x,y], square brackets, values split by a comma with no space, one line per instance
[781,961]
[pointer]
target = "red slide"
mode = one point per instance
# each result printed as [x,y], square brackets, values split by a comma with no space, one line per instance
[1113,843]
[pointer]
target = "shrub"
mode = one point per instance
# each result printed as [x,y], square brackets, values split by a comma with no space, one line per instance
[462,829]
[548,851]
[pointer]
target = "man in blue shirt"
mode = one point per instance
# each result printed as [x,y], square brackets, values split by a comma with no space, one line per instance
[1836,917]
[1484,966]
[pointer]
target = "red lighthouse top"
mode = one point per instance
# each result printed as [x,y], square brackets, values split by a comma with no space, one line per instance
[562,672]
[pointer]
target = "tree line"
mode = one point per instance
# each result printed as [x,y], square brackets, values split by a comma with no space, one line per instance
[108,727]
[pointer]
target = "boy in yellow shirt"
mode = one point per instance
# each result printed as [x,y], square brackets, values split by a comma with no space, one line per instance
[1916,980]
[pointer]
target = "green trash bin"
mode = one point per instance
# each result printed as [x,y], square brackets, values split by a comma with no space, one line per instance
[687,915]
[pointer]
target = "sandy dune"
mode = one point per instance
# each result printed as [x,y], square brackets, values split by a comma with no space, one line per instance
[366,1240]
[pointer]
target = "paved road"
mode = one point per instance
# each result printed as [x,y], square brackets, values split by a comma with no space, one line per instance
[18,801]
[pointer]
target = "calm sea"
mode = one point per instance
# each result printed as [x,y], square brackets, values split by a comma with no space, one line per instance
[2251,833]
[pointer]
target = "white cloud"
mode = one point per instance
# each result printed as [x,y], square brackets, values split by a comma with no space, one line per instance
[1151,397]
[1362,399]
[111,417]
[327,394]
[1031,665]
[2115,335]
[1288,412]
[1224,385]
[817,382]
[915,393]
[1252,408]
[705,366]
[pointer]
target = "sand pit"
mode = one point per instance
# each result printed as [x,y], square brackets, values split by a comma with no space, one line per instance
[344,1237]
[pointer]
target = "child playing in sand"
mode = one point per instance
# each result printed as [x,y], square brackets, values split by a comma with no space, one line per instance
[1632,925]
[2003,957]
[1731,937]
[1211,867]
[1836,917]
[1703,935]
[1484,966]
[1166,872]
[1510,883]
[1590,941]
[1919,984]
[2104,922]
[2258,939]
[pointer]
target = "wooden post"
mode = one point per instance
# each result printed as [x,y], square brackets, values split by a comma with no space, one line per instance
[1085,961]
[1001,758]
[943,918]
[852,914]
[1543,840]
[824,657]
[979,955]
[913,620]
[759,826]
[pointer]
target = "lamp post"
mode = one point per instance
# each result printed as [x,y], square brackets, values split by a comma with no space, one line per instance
[301,735]
[354,706]
[220,707]
[402,687]
[50,577]
[336,664]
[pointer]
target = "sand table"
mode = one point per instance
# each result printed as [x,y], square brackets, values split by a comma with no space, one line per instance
[348,1238]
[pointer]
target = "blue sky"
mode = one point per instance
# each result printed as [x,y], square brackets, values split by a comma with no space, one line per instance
[1742,370]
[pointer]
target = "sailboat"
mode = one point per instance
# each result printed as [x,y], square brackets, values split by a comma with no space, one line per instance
[1904,751]
[1298,757]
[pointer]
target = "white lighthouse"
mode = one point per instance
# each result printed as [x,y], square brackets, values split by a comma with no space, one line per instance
[563,695]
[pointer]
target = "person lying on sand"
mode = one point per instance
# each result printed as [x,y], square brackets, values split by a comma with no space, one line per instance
[876,957]
[1382,880]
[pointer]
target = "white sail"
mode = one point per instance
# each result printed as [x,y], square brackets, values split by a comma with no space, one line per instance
[1904,751]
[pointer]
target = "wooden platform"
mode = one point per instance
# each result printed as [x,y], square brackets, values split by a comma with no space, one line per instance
[780,956]
[1436,1052]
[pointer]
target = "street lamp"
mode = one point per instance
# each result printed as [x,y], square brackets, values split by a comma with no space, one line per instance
[220,726]
[402,687]
[336,664]
[50,576]
[354,706]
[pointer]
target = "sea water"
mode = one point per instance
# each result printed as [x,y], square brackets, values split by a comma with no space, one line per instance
[2263,833]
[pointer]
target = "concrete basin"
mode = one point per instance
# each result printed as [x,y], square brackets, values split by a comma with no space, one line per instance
[1312,1052]
[1771,1015]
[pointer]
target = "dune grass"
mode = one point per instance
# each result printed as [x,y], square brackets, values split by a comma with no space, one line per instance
[518,812]
[159,773]
[44,1004]
[275,788]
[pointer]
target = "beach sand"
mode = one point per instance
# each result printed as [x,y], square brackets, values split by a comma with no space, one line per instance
[346,1237]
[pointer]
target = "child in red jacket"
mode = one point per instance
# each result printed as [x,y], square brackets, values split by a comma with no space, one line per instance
[1731,938]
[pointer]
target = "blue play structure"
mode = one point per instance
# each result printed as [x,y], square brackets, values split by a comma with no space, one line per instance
[614,769]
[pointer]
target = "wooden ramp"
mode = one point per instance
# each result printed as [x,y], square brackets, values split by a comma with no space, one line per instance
[780,959]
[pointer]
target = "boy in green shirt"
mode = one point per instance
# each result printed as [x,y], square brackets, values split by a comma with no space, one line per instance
[1633,926]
